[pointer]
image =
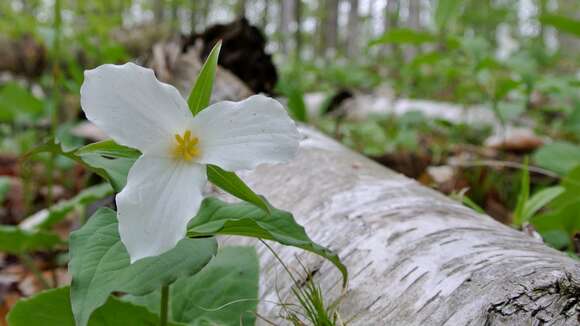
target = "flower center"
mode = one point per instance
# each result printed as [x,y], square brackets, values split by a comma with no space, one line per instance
[186,148]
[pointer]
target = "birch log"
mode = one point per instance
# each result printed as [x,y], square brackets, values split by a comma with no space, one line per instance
[415,257]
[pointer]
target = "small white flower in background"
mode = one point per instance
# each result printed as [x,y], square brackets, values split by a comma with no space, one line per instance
[164,186]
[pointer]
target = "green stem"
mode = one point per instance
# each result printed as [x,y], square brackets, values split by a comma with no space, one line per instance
[163,315]
[29,263]
[57,25]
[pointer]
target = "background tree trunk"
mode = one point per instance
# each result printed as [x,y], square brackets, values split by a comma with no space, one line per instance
[158,11]
[286,12]
[413,22]
[175,23]
[392,17]
[298,30]
[353,30]
[415,257]
[331,26]
[241,8]
[265,18]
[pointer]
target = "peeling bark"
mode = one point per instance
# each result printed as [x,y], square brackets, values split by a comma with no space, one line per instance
[415,256]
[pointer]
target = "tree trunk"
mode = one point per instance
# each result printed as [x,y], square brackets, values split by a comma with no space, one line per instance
[265,18]
[175,23]
[286,12]
[158,11]
[391,22]
[331,25]
[298,30]
[353,30]
[241,8]
[415,256]
[568,43]
[320,37]
[392,14]
[193,15]
[413,22]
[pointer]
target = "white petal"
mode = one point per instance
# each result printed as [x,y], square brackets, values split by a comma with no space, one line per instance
[160,198]
[242,135]
[129,104]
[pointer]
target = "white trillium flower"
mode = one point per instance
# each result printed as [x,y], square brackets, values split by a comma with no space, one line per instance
[164,186]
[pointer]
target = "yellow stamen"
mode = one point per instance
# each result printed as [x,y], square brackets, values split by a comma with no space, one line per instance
[186,148]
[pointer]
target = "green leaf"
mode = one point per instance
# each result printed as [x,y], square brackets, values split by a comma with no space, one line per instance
[523,195]
[558,239]
[562,23]
[15,240]
[46,218]
[224,292]
[559,156]
[571,184]
[100,264]
[562,219]
[4,188]
[404,36]
[216,217]
[52,308]
[106,158]
[471,204]
[565,219]
[201,93]
[296,104]
[539,200]
[16,101]
[108,148]
[231,183]
[504,86]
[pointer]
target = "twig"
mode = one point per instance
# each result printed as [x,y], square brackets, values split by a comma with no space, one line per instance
[506,164]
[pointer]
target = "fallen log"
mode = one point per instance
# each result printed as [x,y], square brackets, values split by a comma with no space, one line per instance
[415,256]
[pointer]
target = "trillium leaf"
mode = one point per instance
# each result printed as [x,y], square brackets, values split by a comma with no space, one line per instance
[16,241]
[224,292]
[201,92]
[216,217]
[231,183]
[559,156]
[46,218]
[17,102]
[108,148]
[106,158]
[52,308]
[100,264]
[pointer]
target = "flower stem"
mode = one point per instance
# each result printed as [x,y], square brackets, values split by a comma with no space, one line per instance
[29,263]
[57,81]
[164,305]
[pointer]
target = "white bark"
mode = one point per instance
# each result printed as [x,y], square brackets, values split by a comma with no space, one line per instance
[415,257]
